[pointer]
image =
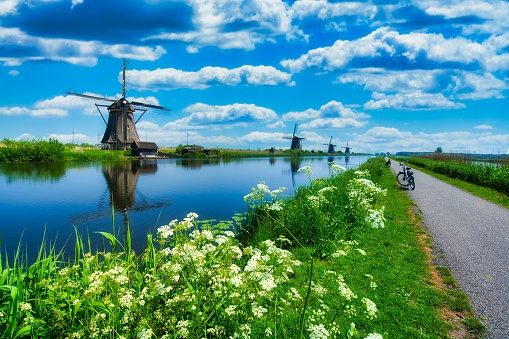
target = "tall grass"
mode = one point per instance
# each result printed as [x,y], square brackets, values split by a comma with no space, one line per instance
[486,175]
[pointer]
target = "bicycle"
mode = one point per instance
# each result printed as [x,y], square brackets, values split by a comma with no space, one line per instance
[405,177]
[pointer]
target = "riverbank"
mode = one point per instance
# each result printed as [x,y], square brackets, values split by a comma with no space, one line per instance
[339,246]
[52,150]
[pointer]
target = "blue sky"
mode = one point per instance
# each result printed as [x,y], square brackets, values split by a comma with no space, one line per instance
[382,75]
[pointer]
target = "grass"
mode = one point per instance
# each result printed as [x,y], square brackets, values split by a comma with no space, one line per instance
[486,193]
[344,258]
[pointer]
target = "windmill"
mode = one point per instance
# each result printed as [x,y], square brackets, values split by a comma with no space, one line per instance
[120,130]
[296,141]
[331,147]
[347,149]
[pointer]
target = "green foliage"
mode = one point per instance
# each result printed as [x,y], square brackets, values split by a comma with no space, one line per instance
[486,175]
[53,151]
[35,150]
[328,210]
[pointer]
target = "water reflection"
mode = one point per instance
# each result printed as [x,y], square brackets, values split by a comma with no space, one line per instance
[122,178]
[197,163]
[34,172]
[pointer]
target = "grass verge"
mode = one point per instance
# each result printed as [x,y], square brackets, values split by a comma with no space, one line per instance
[480,191]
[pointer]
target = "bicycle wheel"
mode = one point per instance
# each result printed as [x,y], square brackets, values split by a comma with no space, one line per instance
[401,179]
[411,182]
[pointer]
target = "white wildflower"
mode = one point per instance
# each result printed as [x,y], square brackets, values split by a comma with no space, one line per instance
[145,334]
[318,332]
[25,306]
[374,336]
[370,308]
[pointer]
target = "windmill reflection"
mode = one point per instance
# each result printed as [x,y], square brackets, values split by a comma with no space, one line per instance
[121,194]
[122,178]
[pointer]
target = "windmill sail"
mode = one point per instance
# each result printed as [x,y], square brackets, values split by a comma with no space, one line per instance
[120,131]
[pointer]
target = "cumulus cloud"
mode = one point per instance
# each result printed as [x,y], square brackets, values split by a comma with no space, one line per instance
[484,127]
[380,80]
[323,9]
[9,111]
[8,7]
[39,113]
[331,115]
[229,24]
[413,50]
[203,116]
[170,78]
[494,14]
[14,72]
[412,101]
[84,53]
[383,139]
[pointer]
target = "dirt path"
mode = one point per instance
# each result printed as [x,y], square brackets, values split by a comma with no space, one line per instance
[473,236]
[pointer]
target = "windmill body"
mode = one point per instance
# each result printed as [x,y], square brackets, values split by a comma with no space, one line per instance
[121,130]
[121,133]
[347,149]
[331,148]
[296,141]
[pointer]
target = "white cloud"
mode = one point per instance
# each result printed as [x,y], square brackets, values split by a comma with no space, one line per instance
[84,53]
[203,116]
[495,14]
[331,115]
[483,127]
[387,44]
[386,139]
[14,111]
[14,72]
[412,101]
[8,7]
[324,10]
[380,80]
[478,86]
[170,78]
[277,124]
[255,21]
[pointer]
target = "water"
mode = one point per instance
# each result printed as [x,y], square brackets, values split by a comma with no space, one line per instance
[53,200]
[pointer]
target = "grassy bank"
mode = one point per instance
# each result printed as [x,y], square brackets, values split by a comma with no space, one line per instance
[335,261]
[489,187]
[53,151]
[486,175]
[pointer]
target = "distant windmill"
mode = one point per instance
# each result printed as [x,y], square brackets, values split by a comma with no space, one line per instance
[347,149]
[331,147]
[296,141]
[120,130]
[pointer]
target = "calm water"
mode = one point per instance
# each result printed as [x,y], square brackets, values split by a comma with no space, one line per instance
[51,200]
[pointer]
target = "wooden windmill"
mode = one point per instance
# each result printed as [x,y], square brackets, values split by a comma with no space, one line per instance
[331,147]
[296,141]
[347,149]
[120,130]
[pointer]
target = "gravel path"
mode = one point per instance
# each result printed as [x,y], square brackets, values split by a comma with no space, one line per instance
[473,236]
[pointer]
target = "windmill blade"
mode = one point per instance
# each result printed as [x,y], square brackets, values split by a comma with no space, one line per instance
[294,129]
[90,96]
[150,106]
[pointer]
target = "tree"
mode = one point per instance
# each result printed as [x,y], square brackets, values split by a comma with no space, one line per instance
[439,150]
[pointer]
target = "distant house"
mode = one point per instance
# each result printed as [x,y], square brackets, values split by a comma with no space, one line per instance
[195,149]
[144,149]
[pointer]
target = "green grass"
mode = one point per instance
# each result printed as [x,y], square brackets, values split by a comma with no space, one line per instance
[324,261]
[486,193]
